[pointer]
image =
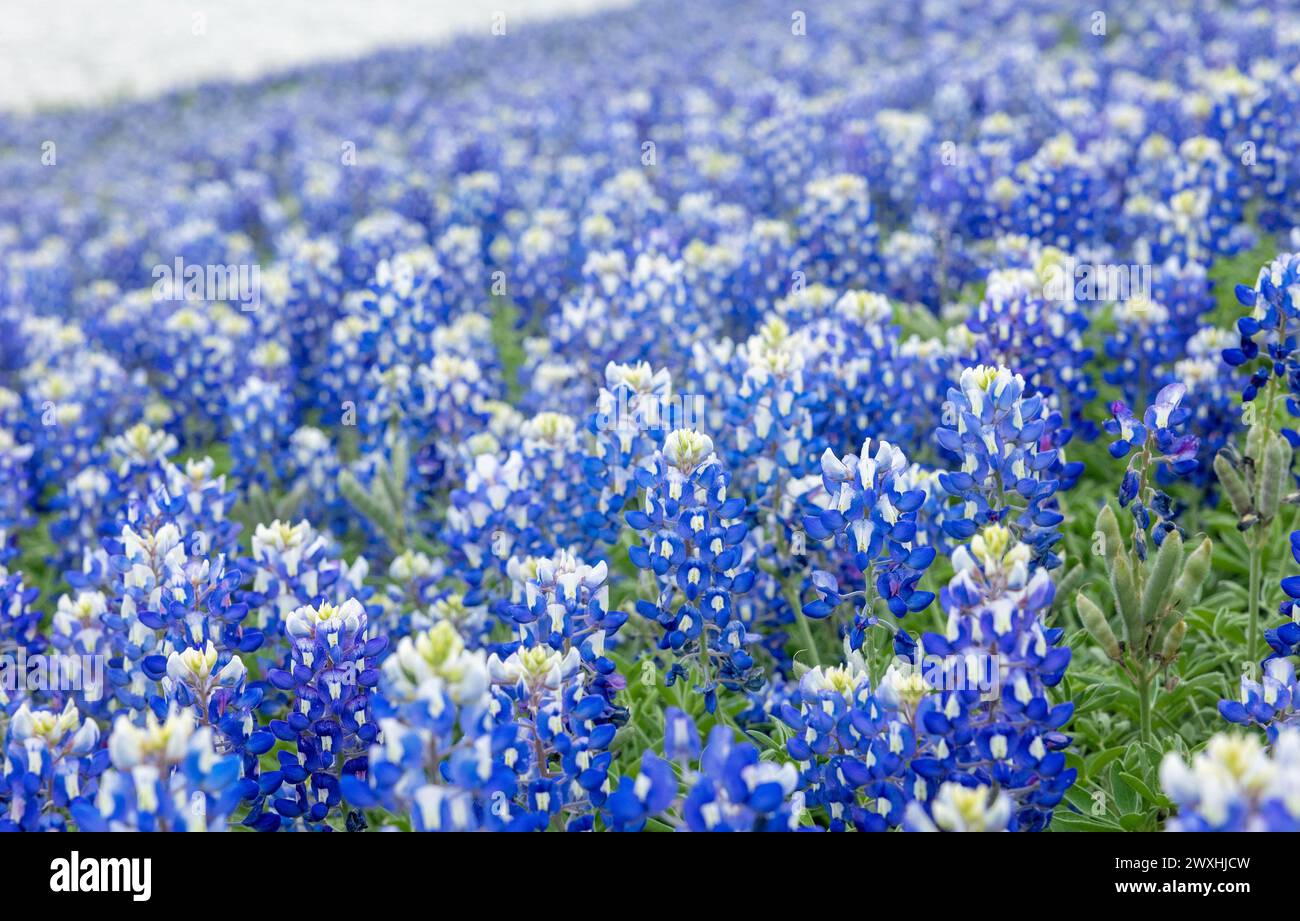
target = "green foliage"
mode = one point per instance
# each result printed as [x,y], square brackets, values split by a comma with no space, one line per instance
[384,503]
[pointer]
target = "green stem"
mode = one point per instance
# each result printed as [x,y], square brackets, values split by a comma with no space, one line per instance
[791,593]
[1255,541]
[1144,707]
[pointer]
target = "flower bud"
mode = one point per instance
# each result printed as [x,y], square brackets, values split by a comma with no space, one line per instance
[1124,588]
[1107,527]
[1273,476]
[1166,565]
[1187,588]
[1173,641]
[1233,484]
[1094,621]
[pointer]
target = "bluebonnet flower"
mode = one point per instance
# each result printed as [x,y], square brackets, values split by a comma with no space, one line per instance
[1272,701]
[837,233]
[312,463]
[553,452]
[1009,736]
[1235,784]
[1288,637]
[897,152]
[292,566]
[52,757]
[763,272]
[854,368]
[1161,452]
[731,788]
[1010,470]
[330,673]
[260,423]
[737,791]
[20,622]
[441,756]
[850,745]
[959,807]
[1059,194]
[872,515]
[315,281]
[642,311]
[15,490]
[543,691]
[1212,395]
[770,413]
[693,548]
[166,776]
[542,255]
[635,410]
[1144,340]
[1030,320]
[1268,332]
[489,522]
[374,239]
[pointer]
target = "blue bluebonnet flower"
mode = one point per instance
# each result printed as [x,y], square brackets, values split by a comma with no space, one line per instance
[15,490]
[737,791]
[1059,194]
[1030,320]
[543,690]
[374,239]
[635,410]
[260,423]
[554,451]
[629,310]
[1144,340]
[1272,701]
[1235,784]
[1010,470]
[292,565]
[851,747]
[315,297]
[166,776]
[442,755]
[1161,452]
[52,757]
[897,153]
[731,789]
[911,267]
[770,413]
[959,807]
[860,378]
[692,546]
[312,462]
[872,515]
[763,272]
[838,236]
[330,673]
[1268,332]
[1212,395]
[543,254]
[1008,733]
[1289,637]
[20,623]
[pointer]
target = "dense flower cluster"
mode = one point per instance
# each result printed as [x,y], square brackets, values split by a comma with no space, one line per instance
[630,423]
[1236,785]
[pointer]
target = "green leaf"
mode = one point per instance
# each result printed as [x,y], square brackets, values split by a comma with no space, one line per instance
[1097,763]
[1072,821]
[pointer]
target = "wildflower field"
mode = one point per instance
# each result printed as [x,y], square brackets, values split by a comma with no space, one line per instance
[695,417]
